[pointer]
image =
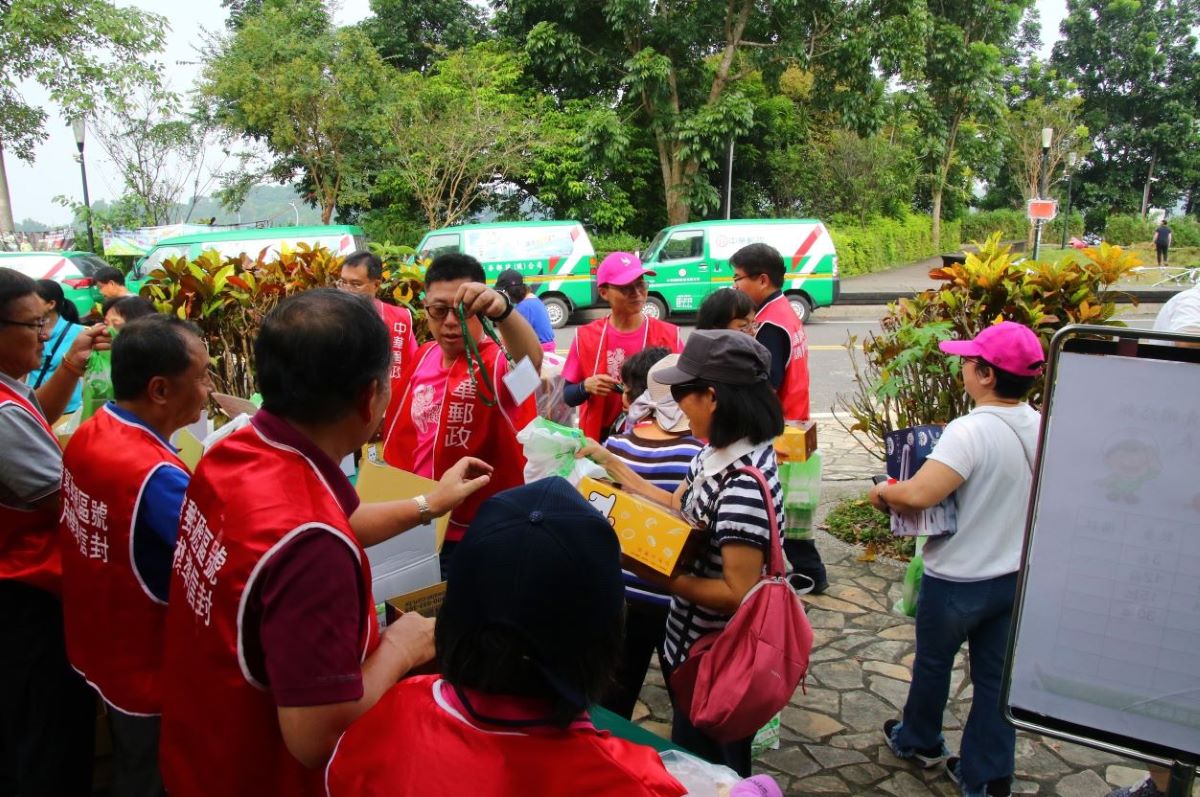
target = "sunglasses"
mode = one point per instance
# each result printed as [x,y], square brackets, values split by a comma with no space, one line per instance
[687,388]
[633,289]
[438,312]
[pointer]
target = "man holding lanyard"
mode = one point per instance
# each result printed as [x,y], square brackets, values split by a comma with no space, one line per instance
[593,369]
[758,272]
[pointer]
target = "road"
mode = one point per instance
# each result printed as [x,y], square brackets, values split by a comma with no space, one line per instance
[829,363]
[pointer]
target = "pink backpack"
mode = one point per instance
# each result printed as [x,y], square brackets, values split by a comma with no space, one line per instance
[734,680]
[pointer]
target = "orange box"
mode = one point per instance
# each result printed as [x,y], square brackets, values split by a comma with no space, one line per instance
[426,601]
[648,532]
[798,441]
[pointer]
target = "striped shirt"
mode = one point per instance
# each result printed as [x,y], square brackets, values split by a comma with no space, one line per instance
[663,463]
[731,507]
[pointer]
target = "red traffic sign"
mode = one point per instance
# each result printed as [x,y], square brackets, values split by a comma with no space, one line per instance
[1043,209]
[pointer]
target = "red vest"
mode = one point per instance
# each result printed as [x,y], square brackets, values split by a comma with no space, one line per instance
[114,623]
[29,537]
[598,413]
[466,428]
[793,393]
[220,729]
[400,329]
[413,743]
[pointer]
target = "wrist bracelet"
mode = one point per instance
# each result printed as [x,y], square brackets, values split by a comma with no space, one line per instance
[71,367]
[426,514]
[508,308]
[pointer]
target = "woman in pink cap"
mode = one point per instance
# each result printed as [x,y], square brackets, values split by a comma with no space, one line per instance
[985,458]
[593,369]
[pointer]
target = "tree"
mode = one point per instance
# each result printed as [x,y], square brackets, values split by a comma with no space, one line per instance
[84,53]
[313,96]
[409,34]
[1138,71]
[159,153]
[676,69]
[457,131]
[959,96]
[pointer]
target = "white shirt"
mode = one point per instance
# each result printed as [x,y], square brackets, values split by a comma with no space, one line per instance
[994,461]
[1181,312]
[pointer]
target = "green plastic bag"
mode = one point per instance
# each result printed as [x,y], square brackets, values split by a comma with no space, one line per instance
[550,450]
[907,605]
[801,483]
[97,383]
[767,737]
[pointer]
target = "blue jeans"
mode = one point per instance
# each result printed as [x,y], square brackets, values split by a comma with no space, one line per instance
[948,614]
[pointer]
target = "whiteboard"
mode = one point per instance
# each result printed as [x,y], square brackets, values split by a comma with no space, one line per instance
[1108,636]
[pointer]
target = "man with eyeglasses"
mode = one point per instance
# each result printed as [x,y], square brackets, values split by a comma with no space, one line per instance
[454,400]
[593,369]
[49,711]
[362,273]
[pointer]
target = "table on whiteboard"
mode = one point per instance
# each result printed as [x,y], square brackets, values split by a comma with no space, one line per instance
[1108,636]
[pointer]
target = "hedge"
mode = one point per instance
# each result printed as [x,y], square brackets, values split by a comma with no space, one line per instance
[1129,229]
[885,243]
[1012,224]
[606,243]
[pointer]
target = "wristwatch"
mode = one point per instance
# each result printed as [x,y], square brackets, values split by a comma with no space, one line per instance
[508,308]
[423,507]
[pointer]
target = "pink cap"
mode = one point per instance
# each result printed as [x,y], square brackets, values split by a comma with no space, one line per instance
[621,268]
[757,786]
[1009,346]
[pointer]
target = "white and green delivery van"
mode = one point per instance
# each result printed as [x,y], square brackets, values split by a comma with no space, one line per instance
[556,258]
[692,260]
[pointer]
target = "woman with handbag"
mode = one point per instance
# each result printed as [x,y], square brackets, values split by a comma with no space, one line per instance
[721,384]
[62,319]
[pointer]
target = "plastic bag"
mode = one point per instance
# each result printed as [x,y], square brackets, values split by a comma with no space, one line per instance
[97,383]
[907,605]
[699,777]
[767,737]
[550,450]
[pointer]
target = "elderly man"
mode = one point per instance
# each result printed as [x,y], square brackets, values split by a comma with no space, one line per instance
[123,487]
[272,643]
[362,273]
[47,712]
[457,404]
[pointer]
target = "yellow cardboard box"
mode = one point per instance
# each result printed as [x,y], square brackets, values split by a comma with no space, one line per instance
[426,601]
[648,532]
[378,481]
[798,441]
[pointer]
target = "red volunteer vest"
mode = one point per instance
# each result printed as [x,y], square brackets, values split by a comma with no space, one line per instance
[220,729]
[598,413]
[409,743]
[793,393]
[29,537]
[114,623]
[400,329]
[466,428]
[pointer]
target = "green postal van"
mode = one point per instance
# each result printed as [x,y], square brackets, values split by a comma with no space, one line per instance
[341,239]
[692,260]
[556,258]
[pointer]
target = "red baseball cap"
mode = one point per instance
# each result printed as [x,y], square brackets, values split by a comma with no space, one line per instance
[621,268]
[1009,346]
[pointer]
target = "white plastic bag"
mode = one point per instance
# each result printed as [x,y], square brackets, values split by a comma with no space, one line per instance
[699,777]
[550,450]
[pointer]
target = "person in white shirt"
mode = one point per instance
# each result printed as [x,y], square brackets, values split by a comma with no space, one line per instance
[1181,312]
[986,459]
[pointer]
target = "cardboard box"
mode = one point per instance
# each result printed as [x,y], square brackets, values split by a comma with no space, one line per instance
[798,441]
[378,481]
[425,602]
[906,451]
[648,532]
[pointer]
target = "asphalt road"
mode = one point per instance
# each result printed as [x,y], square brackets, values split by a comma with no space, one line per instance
[828,332]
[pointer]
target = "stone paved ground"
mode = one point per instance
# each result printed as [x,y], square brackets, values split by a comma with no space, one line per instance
[832,741]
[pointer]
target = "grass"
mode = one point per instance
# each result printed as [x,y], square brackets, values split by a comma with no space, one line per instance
[1181,256]
[855,521]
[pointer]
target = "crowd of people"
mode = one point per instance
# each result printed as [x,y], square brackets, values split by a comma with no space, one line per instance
[225,618]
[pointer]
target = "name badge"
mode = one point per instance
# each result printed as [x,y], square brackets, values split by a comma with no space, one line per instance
[522,380]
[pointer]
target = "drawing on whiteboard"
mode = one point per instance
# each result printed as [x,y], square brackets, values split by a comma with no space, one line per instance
[1131,463]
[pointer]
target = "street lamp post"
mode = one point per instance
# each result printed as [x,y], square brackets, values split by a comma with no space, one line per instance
[79,126]
[1047,137]
[1071,158]
[296,211]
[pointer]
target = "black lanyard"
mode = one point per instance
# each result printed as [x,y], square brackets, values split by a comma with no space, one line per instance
[50,357]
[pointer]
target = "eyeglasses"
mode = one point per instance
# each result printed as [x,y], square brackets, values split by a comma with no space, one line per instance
[740,277]
[632,289]
[39,325]
[438,312]
[357,286]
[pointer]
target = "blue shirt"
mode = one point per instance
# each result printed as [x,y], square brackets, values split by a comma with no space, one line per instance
[61,338]
[156,524]
[535,313]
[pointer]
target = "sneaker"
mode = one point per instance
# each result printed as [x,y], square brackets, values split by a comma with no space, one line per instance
[928,757]
[1001,787]
[1144,789]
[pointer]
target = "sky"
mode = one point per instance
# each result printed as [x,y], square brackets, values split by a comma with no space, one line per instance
[55,172]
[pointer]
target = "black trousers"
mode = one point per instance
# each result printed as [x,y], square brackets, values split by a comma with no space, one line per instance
[135,755]
[47,711]
[645,628]
[806,560]
[735,755]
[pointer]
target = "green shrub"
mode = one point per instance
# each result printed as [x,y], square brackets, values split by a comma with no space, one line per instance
[1127,229]
[904,380]
[1185,231]
[1012,225]
[607,243]
[887,242]
[1052,234]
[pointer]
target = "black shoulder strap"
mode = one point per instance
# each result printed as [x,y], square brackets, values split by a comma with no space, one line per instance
[41,377]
